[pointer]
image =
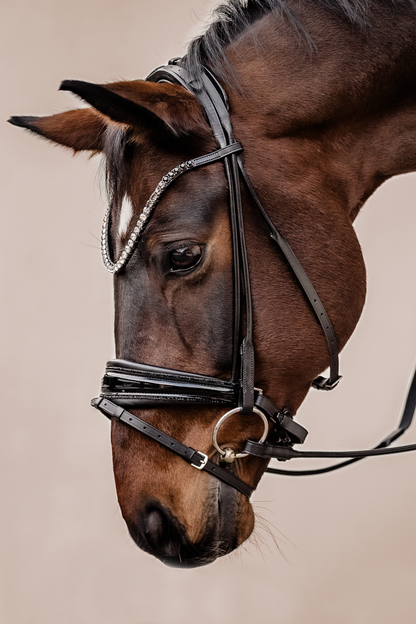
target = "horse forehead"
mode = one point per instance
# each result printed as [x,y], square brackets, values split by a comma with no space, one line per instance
[190,205]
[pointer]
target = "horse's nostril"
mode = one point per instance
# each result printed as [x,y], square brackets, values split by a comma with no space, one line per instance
[160,531]
[155,528]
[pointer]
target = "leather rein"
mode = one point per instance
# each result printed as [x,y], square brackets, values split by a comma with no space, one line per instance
[127,385]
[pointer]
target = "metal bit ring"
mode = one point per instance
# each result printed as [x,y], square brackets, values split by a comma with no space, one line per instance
[223,452]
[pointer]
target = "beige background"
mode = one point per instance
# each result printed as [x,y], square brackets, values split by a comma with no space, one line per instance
[346,541]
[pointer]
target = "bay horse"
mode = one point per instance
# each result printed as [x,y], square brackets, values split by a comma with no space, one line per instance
[322,98]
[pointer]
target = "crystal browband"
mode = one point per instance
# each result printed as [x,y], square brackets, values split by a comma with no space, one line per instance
[166,181]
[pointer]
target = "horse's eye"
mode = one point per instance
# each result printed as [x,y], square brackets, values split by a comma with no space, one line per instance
[185,257]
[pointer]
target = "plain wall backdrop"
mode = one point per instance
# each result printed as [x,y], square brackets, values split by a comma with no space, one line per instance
[344,547]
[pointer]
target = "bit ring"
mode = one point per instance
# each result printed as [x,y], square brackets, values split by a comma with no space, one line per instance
[223,452]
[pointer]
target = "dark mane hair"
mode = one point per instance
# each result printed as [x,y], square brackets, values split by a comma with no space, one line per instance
[116,159]
[232,17]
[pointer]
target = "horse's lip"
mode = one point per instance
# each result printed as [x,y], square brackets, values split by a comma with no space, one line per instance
[188,555]
[187,564]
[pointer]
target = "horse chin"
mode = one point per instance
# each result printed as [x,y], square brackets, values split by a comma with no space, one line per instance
[229,521]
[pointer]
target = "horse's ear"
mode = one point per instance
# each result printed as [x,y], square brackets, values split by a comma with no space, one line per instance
[165,107]
[81,129]
[166,111]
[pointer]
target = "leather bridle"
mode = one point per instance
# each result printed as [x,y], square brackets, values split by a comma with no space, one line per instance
[133,385]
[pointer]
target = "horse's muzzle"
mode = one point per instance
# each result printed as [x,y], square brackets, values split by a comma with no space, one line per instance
[158,531]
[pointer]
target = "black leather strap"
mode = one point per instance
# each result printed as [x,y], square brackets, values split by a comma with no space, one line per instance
[211,98]
[282,419]
[306,285]
[218,99]
[131,384]
[380,449]
[214,101]
[283,453]
[219,154]
[195,458]
[123,376]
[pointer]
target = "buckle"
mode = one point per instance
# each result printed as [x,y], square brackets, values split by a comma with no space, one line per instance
[203,463]
[320,383]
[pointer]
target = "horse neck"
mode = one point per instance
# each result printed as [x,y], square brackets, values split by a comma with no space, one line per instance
[320,132]
[341,113]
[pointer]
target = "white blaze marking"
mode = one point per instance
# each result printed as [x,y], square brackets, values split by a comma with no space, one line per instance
[126,214]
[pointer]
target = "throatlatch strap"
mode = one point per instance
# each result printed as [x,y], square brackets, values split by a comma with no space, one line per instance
[195,458]
[306,285]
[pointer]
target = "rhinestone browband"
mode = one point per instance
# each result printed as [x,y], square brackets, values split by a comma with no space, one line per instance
[115,267]
[141,222]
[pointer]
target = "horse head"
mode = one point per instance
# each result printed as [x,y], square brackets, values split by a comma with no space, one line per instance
[174,300]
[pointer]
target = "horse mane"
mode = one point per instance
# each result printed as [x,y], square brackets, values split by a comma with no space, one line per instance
[233,17]
[229,20]
[116,164]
